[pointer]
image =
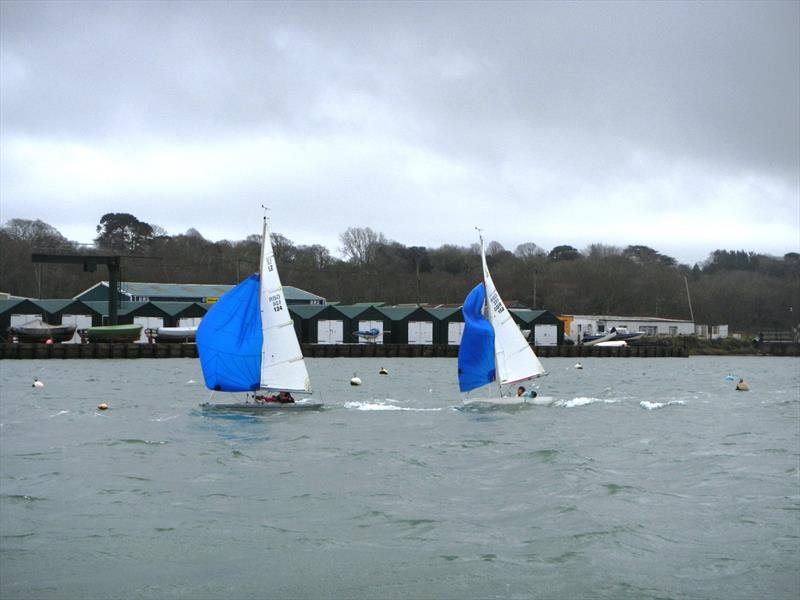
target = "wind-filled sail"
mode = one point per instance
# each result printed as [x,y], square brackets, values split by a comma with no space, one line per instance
[514,358]
[229,340]
[282,364]
[476,366]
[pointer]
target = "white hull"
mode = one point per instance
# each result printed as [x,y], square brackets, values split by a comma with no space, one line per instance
[612,344]
[600,340]
[510,401]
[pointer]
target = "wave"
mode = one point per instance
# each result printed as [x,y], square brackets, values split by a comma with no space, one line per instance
[382,406]
[582,401]
[656,405]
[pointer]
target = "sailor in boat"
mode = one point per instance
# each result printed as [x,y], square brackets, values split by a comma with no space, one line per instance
[280,398]
[521,392]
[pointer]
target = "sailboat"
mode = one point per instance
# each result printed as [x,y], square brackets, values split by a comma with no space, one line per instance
[493,348]
[247,343]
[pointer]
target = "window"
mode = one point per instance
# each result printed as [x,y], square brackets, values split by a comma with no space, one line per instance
[673,330]
[649,330]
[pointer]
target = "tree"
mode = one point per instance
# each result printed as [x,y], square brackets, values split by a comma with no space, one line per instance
[35,233]
[644,255]
[360,244]
[529,250]
[122,232]
[562,253]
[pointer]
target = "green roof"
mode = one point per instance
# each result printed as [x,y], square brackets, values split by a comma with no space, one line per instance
[193,291]
[351,311]
[526,314]
[306,311]
[443,313]
[397,313]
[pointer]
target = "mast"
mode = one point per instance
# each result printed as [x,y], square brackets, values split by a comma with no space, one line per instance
[487,309]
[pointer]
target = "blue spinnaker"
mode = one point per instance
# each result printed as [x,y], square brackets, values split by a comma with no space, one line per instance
[229,340]
[476,353]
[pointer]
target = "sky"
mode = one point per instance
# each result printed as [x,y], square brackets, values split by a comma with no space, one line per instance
[675,125]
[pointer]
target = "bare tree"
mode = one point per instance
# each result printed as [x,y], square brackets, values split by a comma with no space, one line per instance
[360,245]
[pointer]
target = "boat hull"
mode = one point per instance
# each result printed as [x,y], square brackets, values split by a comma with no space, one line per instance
[510,401]
[251,408]
[38,335]
[175,334]
[593,340]
[114,333]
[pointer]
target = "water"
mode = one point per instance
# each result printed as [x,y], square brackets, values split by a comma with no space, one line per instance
[646,478]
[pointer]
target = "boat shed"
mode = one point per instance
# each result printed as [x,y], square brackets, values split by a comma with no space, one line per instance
[410,324]
[135,291]
[18,311]
[364,317]
[152,315]
[543,327]
[320,324]
[448,325]
[71,312]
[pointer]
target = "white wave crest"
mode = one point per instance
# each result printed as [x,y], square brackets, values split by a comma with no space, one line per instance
[380,406]
[61,412]
[581,401]
[656,405]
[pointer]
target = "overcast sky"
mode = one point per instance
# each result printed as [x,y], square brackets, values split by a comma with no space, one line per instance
[674,125]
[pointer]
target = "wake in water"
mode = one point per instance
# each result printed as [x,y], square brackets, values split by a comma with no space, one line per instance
[381,405]
[656,405]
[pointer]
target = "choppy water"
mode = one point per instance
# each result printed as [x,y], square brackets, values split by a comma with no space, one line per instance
[646,478]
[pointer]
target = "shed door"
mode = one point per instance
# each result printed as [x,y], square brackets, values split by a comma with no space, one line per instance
[455,329]
[420,332]
[147,323]
[189,321]
[545,335]
[366,326]
[80,322]
[330,332]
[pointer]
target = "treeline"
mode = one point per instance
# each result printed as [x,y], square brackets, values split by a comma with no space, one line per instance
[748,291]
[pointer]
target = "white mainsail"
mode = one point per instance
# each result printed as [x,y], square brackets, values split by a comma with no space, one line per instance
[282,364]
[514,359]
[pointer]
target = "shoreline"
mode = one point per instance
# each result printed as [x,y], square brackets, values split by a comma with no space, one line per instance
[22,351]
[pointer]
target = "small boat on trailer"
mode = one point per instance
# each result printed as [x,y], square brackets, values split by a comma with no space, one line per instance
[112,334]
[39,332]
[599,338]
[173,334]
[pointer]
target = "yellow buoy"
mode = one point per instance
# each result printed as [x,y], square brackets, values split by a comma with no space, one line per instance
[102,406]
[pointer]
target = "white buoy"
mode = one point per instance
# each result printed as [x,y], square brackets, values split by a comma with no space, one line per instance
[578,366]
[383,371]
[102,406]
[355,380]
[37,383]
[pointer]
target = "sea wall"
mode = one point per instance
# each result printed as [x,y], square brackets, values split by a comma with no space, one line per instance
[103,350]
